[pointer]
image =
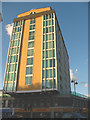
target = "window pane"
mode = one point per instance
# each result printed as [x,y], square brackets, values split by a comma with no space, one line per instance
[53,62]
[49,16]
[44,23]
[50,53]
[28,80]
[50,36]
[53,53]
[54,73]
[43,45]
[43,37]
[44,17]
[47,63]
[43,30]
[12,60]
[46,37]
[54,83]
[43,63]
[30,44]
[43,84]
[29,61]
[50,73]
[47,23]
[30,52]
[43,54]
[50,45]
[43,74]
[50,62]
[50,22]
[28,70]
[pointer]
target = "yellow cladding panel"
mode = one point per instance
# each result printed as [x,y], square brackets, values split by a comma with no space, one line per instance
[34,10]
[37,60]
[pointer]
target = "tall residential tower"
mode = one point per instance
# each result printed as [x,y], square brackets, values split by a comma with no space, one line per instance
[37,57]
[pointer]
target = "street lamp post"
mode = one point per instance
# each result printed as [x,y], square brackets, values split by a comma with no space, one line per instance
[75,83]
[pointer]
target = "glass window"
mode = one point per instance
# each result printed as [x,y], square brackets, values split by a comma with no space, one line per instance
[7,68]
[10,51]
[29,61]
[49,16]
[15,67]
[31,35]
[48,84]
[47,23]
[54,83]
[9,86]
[43,45]
[12,60]
[43,74]
[18,42]
[13,51]
[8,59]
[53,36]
[6,77]
[50,45]
[47,45]
[30,44]
[50,36]
[15,43]
[17,58]
[44,17]
[30,52]
[43,84]
[32,27]
[46,37]
[12,66]
[11,43]
[14,76]
[54,73]
[50,22]
[49,73]
[10,78]
[53,53]
[44,23]
[47,63]
[52,28]
[43,30]
[28,80]
[50,62]
[46,29]
[43,54]
[53,62]
[32,21]
[17,50]
[28,70]
[43,37]
[19,35]
[43,63]
[50,53]
[53,45]
[21,22]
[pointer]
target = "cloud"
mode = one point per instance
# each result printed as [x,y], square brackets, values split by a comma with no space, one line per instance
[72,76]
[8,28]
[86,85]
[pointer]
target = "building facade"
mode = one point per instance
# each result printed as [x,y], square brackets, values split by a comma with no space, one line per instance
[37,57]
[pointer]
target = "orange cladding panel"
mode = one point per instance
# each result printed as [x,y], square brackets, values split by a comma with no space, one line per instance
[37,60]
[34,10]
